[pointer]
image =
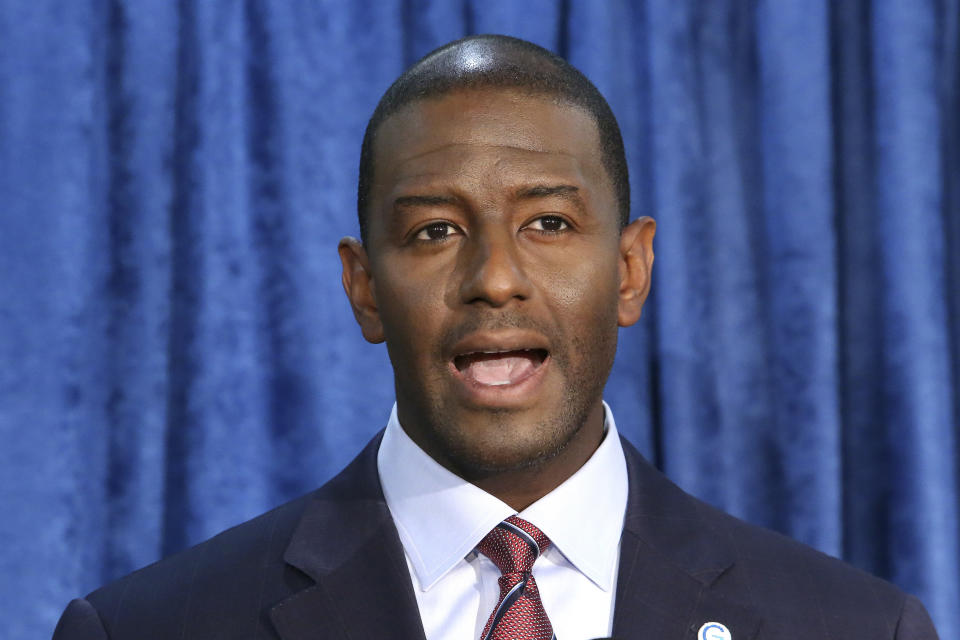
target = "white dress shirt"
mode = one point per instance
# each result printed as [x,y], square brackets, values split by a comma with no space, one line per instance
[441,518]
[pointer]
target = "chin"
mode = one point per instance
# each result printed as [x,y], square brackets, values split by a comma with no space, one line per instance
[505,446]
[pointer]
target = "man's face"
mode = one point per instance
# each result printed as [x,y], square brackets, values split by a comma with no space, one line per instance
[494,271]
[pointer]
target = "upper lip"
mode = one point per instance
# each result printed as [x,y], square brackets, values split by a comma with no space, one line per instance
[499,342]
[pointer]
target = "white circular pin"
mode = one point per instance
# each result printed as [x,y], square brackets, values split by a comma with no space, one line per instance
[714,631]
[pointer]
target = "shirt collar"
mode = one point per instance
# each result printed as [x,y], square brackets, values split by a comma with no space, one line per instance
[583,517]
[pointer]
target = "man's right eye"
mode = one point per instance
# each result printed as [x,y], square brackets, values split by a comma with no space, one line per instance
[436,231]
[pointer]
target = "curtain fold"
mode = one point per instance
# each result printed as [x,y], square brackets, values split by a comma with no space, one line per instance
[178,354]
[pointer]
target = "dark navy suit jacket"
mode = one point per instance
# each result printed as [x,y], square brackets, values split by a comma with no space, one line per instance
[330,565]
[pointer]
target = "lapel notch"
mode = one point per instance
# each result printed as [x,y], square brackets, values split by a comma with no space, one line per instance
[347,543]
[672,558]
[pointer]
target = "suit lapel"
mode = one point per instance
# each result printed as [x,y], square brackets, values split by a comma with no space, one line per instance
[671,560]
[347,542]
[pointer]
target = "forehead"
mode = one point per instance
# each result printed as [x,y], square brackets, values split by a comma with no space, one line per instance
[466,135]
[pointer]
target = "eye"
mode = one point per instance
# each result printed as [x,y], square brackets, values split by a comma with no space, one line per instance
[549,224]
[437,232]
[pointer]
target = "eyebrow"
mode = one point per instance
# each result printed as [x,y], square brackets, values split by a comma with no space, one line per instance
[545,191]
[567,192]
[424,201]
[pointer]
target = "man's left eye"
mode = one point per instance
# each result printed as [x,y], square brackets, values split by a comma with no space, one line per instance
[549,224]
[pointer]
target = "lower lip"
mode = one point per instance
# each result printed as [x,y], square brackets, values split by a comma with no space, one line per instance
[502,396]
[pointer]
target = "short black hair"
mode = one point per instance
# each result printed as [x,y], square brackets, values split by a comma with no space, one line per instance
[484,61]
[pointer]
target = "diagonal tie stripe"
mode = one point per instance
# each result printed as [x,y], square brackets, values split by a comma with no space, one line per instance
[512,528]
[506,601]
[513,546]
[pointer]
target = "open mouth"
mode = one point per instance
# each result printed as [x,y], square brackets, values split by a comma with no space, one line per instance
[500,368]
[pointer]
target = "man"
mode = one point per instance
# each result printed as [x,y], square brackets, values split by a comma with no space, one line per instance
[497,264]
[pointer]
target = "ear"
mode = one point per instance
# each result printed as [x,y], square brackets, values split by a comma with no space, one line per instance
[636,265]
[358,284]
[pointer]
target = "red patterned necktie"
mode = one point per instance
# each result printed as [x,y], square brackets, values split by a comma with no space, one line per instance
[514,545]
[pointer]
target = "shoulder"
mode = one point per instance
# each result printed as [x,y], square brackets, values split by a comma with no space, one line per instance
[796,587]
[234,574]
[793,589]
[225,586]
[767,561]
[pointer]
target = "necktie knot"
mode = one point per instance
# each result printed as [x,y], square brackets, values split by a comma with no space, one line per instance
[514,545]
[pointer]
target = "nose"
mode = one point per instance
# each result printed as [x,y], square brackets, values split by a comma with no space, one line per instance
[494,274]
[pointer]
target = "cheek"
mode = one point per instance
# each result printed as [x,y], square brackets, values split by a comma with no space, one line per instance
[411,312]
[585,314]
[586,291]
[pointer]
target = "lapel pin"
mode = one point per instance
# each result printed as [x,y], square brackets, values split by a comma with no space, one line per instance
[714,631]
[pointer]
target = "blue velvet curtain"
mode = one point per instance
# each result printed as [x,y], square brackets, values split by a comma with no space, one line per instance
[177,355]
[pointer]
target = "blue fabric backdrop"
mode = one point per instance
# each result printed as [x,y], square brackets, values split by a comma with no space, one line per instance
[174,177]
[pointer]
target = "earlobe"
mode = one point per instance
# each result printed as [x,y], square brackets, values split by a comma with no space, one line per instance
[636,267]
[358,284]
